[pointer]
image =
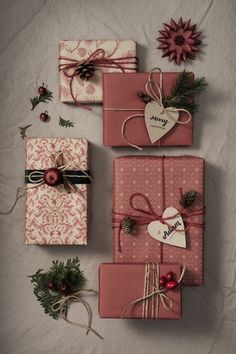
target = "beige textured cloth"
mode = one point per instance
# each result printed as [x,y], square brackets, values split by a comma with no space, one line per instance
[30,32]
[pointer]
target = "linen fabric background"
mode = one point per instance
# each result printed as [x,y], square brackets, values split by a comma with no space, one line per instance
[30,36]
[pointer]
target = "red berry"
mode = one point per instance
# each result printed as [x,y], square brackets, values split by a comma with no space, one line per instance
[171,284]
[162,281]
[51,286]
[169,276]
[63,287]
[52,177]
[44,116]
[42,90]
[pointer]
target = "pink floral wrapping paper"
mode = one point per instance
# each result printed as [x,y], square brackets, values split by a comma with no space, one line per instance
[52,215]
[144,174]
[91,91]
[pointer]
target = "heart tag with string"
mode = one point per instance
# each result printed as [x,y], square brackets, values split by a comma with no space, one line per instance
[158,121]
[174,233]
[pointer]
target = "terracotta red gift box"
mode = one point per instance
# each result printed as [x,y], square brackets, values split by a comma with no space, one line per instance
[82,63]
[57,179]
[128,121]
[151,222]
[137,291]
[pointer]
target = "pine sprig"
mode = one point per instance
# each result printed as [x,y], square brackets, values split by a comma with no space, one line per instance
[48,96]
[65,123]
[67,275]
[183,91]
[23,131]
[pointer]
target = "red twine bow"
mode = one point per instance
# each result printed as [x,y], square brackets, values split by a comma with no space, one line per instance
[98,59]
[150,215]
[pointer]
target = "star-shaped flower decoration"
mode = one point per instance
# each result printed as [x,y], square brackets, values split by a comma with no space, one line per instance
[179,41]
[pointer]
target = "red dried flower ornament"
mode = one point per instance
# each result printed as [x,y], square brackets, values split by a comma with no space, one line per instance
[179,41]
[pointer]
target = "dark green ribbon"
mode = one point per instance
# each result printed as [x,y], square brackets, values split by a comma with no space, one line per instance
[75,177]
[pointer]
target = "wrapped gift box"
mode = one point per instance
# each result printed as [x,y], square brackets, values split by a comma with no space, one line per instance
[121,100]
[121,284]
[160,180]
[54,216]
[91,91]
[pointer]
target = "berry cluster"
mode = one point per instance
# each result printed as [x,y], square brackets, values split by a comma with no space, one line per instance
[168,282]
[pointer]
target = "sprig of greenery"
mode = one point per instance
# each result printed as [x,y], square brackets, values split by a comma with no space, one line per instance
[48,96]
[65,123]
[23,131]
[69,275]
[183,91]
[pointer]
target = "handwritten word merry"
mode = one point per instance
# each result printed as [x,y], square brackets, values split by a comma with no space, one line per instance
[161,120]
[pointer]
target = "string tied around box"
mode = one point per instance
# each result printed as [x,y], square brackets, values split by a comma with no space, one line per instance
[73,68]
[54,176]
[153,293]
[148,215]
[155,93]
[76,297]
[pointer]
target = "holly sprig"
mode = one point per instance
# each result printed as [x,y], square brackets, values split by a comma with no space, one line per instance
[46,97]
[61,280]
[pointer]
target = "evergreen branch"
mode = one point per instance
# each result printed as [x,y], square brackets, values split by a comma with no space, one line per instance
[184,90]
[23,131]
[48,96]
[186,86]
[65,123]
[191,107]
[48,285]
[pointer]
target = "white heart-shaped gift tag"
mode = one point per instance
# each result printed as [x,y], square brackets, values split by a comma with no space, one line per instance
[159,122]
[173,233]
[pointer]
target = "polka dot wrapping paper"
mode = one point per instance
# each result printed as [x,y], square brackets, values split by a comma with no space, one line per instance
[160,180]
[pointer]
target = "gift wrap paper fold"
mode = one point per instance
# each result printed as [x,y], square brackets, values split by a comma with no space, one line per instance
[160,180]
[120,284]
[54,216]
[91,91]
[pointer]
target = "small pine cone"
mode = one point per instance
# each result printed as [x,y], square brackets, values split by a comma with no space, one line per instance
[128,225]
[188,199]
[144,97]
[85,71]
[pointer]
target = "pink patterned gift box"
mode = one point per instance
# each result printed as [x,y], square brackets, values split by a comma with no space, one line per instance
[91,91]
[159,182]
[53,216]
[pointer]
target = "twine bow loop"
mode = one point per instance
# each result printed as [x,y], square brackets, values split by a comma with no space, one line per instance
[76,297]
[153,294]
[99,59]
[155,92]
[147,214]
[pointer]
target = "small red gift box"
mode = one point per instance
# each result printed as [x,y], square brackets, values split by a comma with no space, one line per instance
[144,187]
[121,100]
[133,291]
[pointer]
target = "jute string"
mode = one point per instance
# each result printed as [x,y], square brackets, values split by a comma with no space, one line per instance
[58,160]
[76,297]
[155,92]
[152,293]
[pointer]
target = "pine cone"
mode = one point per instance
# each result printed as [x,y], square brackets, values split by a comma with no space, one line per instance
[128,225]
[85,71]
[188,199]
[144,97]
